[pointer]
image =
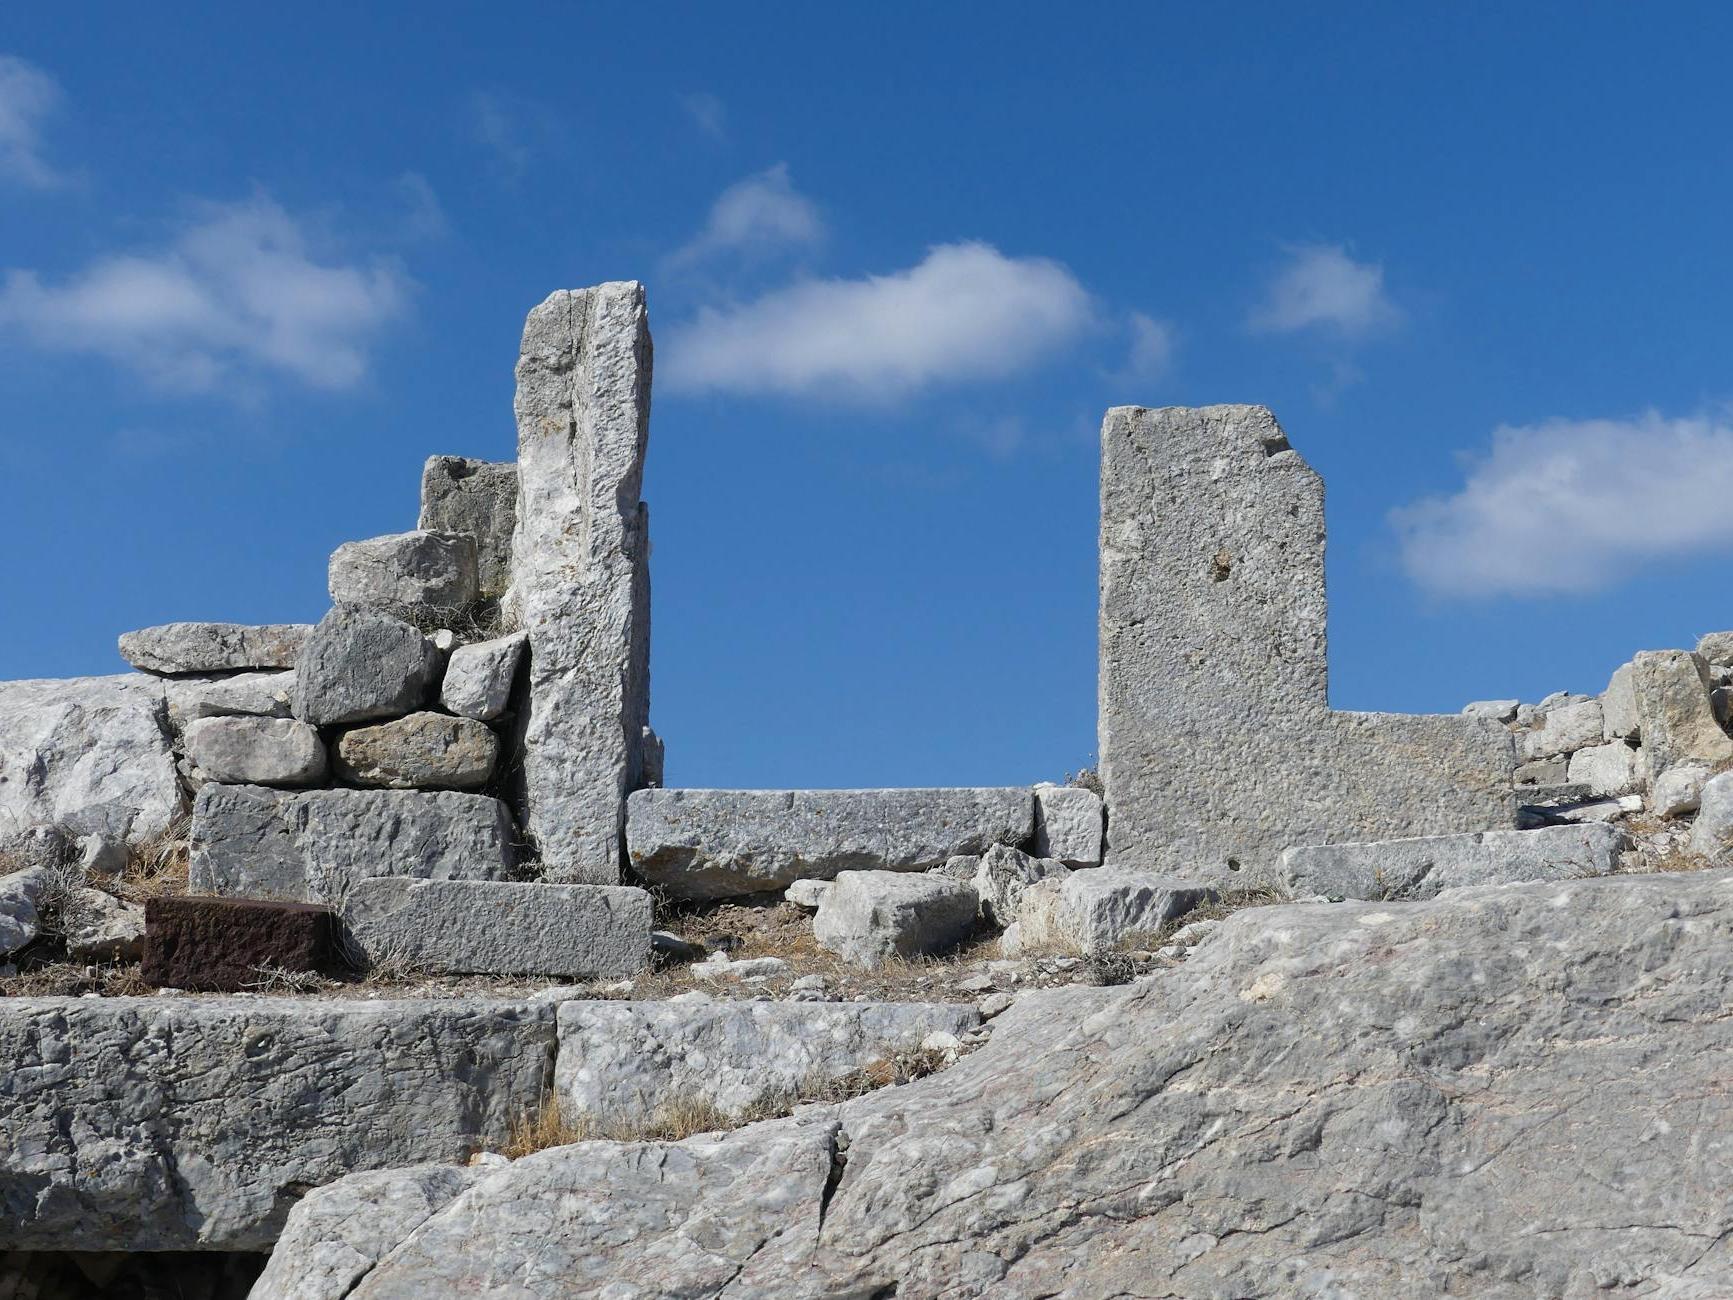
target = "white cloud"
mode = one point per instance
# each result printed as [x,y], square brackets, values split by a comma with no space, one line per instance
[1151,352]
[707,113]
[27,96]
[423,215]
[236,292]
[1574,506]
[761,214]
[1323,287]
[965,312]
[496,126]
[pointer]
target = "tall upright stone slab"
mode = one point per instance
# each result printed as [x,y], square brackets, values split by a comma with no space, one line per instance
[1218,745]
[580,572]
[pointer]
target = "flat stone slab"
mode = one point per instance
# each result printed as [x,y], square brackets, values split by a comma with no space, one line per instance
[1419,868]
[472,927]
[870,917]
[168,1123]
[175,648]
[225,945]
[722,843]
[1089,912]
[257,751]
[627,1060]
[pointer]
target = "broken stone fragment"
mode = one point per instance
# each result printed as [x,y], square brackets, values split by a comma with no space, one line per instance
[1564,729]
[807,894]
[406,571]
[1717,649]
[361,664]
[478,499]
[425,751]
[176,648]
[100,927]
[1068,824]
[1619,719]
[1092,911]
[1420,868]
[22,896]
[479,678]
[266,694]
[1493,710]
[870,917]
[1608,770]
[1678,790]
[1675,715]
[1712,833]
[256,751]
[1002,877]
[225,945]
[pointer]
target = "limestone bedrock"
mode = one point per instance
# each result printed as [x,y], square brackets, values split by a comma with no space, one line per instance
[1218,745]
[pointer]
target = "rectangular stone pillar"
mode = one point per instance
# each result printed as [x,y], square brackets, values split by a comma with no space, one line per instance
[1218,745]
[580,572]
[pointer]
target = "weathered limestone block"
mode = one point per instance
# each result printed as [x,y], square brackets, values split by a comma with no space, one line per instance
[1420,868]
[1491,710]
[1679,790]
[363,664]
[1620,720]
[89,754]
[1068,825]
[102,928]
[471,927]
[870,917]
[176,648]
[406,571]
[1563,730]
[1542,771]
[1717,648]
[225,945]
[479,677]
[1608,770]
[257,751]
[1091,911]
[22,897]
[476,498]
[425,751]
[580,571]
[252,842]
[722,843]
[624,1061]
[1003,875]
[266,694]
[1675,716]
[1213,644]
[806,894]
[1712,833]
[197,1123]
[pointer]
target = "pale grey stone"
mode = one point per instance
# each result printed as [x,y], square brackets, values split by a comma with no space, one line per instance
[176,648]
[91,755]
[23,894]
[1560,699]
[444,640]
[476,498]
[486,927]
[1002,876]
[197,1123]
[1619,707]
[315,846]
[655,759]
[479,678]
[1676,718]
[1608,770]
[807,894]
[100,927]
[1420,868]
[962,866]
[1678,790]
[1563,730]
[869,917]
[406,571]
[1712,833]
[1492,710]
[1213,643]
[266,694]
[363,664]
[624,1061]
[1068,824]
[102,855]
[1542,771]
[580,571]
[1717,649]
[1093,911]
[720,967]
[1541,796]
[432,751]
[721,843]
[1598,810]
[257,751]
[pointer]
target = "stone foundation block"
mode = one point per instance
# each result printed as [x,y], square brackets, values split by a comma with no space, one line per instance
[1420,868]
[425,751]
[870,917]
[257,751]
[1091,911]
[1068,825]
[223,945]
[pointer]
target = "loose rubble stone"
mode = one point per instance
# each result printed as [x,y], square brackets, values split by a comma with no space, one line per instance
[176,648]
[266,694]
[362,664]
[101,927]
[624,1061]
[1717,648]
[1092,911]
[1542,771]
[1608,770]
[1712,833]
[1563,730]
[477,498]
[1545,796]
[1420,868]
[723,843]
[807,894]
[1068,825]
[1493,710]
[868,917]
[1619,718]
[1002,877]
[1677,722]
[479,677]
[252,842]
[580,571]
[718,966]
[22,895]
[501,928]
[224,945]
[257,751]
[1213,642]
[89,754]
[406,571]
[198,1123]
[430,751]
[1679,790]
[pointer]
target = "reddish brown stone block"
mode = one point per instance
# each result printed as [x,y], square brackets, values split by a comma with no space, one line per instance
[219,945]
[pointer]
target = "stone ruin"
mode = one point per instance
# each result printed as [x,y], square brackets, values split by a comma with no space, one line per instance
[454,775]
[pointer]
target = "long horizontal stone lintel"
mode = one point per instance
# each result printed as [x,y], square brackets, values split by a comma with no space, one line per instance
[1421,867]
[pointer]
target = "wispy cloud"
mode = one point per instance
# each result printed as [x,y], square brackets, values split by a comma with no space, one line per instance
[965,312]
[496,126]
[708,114]
[423,215]
[1322,287]
[236,293]
[1151,350]
[1574,506]
[760,215]
[28,95]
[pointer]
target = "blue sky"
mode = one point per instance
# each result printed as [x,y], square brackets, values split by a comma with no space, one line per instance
[259,263]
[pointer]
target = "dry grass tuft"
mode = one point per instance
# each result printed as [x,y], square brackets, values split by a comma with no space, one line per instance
[67,979]
[156,866]
[294,983]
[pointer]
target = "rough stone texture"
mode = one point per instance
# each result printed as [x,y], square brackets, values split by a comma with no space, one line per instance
[89,754]
[1563,730]
[1542,771]
[580,571]
[807,894]
[1679,790]
[176,648]
[1717,648]
[1002,876]
[22,895]
[252,842]
[102,928]
[225,945]
[477,498]
[1091,911]
[479,678]
[499,928]
[266,694]
[183,1123]
[430,751]
[1068,825]
[405,571]
[868,917]
[1677,722]
[1493,710]
[1712,833]
[1213,644]
[1608,770]
[1420,868]
[626,1060]
[363,664]
[722,843]
[1619,719]
[257,751]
